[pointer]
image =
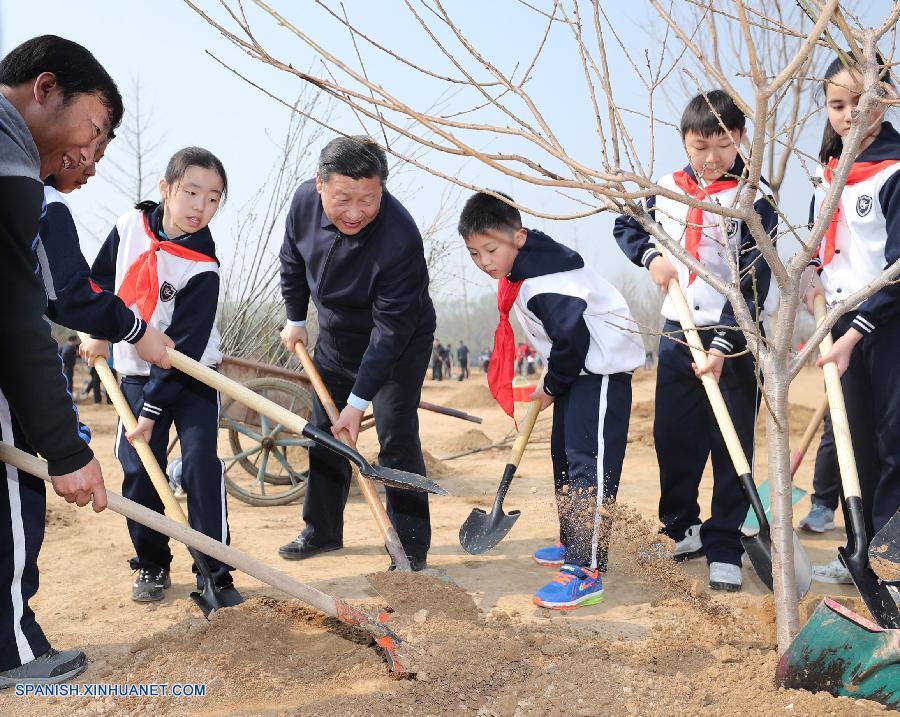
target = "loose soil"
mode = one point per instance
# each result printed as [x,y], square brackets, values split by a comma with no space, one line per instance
[660,644]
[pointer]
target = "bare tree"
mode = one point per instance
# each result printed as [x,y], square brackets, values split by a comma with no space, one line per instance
[499,124]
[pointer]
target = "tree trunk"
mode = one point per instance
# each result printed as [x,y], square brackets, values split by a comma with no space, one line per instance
[777,384]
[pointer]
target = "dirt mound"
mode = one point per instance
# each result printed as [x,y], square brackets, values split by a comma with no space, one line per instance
[434,467]
[472,395]
[464,441]
[410,593]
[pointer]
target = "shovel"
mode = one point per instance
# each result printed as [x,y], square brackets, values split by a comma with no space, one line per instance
[884,550]
[482,531]
[388,532]
[209,600]
[376,626]
[279,414]
[797,494]
[842,653]
[854,556]
[758,546]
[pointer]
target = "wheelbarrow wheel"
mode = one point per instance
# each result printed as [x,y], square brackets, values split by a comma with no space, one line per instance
[269,464]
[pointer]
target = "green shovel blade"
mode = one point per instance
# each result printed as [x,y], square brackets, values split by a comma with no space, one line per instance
[751,524]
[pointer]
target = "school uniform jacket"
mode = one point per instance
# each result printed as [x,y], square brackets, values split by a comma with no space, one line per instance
[576,320]
[186,309]
[31,376]
[716,251]
[370,289]
[75,300]
[868,235]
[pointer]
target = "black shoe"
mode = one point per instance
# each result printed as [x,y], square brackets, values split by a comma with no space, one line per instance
[151,585]
[416,564]
[299,549]
[50,668]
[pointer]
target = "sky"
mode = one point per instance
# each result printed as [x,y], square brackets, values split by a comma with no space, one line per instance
[192,99]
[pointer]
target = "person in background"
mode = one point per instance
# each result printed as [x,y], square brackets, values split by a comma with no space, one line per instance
[462,358]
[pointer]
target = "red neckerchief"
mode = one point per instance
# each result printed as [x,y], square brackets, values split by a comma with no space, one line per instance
[693,232]
[859,172]
[141,283]
[503,358]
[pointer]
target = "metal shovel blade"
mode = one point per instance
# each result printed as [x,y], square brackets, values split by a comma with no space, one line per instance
[481,531]
[759,546]
[400,479]
[876,595]
[389,476]
[211,598]
[884,550]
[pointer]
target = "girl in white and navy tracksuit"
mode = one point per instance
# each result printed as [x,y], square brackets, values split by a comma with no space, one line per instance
[684,429]
[581,327]
[865,241]
[186,295]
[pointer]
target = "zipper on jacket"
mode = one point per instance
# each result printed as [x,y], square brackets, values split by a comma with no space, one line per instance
[327,261]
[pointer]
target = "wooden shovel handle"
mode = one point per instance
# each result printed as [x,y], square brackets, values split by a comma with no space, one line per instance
[840,424]
[236,391]
[518,448]
[385,527]
[328,604]
[808,435]
[141,447]
[713,392]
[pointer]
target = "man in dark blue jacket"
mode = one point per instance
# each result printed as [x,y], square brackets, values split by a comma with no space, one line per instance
[353,249]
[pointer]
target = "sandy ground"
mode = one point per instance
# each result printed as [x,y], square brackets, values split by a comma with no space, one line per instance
[659,644]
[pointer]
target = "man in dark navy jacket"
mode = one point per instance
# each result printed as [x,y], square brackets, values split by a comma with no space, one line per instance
[353,249]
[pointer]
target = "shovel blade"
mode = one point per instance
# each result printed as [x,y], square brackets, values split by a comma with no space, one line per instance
[759,550]
[402,479]
[884,550]
[875,595]
[842,653]
[481,531]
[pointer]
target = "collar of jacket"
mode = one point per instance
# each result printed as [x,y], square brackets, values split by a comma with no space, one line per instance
[885,146]
[541,255]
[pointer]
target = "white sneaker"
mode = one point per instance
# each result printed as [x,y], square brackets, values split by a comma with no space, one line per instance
[725,576]
[834,572]
[685,549]
[689,546]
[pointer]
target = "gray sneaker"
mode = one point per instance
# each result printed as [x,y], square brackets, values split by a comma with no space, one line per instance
[151,585]
[819,519]
[834,572]
[50,668]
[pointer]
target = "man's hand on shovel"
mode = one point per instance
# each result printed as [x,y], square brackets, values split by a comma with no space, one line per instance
[82,486]
[841,351]
[349,421]
[715,360]
[91,349]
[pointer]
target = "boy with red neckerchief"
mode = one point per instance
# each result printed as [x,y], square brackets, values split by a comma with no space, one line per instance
[581,327]
[684,429]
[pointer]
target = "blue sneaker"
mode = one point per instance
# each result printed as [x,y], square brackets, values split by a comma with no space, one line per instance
[552,556]
[573,587]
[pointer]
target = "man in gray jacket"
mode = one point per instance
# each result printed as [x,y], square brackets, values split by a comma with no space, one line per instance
[56,104]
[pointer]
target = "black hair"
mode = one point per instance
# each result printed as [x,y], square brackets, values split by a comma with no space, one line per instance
[832,144]
[706,114]
[178,165]
[357,157]
[484,212]
[75,68]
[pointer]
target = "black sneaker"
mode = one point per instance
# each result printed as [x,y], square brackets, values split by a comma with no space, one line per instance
[50,668]
[416,564]
[150,585]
